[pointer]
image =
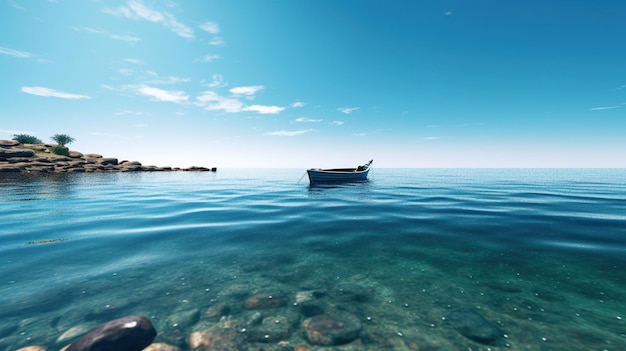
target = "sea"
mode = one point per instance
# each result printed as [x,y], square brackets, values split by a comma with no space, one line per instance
[413,259]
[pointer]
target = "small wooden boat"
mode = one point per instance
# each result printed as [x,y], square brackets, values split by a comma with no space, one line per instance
[338,175]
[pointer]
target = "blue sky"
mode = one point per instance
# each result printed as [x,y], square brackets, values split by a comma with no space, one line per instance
[321,83]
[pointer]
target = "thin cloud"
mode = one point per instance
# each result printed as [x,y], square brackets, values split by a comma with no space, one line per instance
[264,110]
[126,38]
[134,61]
[432,138]
[217,82]
[209,58]
[15,53]
[136,10]
[217,41]
[129,112]
[47,92]
[174,96]
[336,123]
[287,133]
[211,101]
[307,120]
[297,104]
[249,90]
[348,110]
[604,108]
[210,27]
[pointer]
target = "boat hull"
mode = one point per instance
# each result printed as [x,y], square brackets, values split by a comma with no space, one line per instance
[320,176]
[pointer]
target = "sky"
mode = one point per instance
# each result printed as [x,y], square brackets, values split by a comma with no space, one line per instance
[320,83]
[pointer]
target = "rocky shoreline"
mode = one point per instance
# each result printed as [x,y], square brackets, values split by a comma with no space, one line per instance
[37,158]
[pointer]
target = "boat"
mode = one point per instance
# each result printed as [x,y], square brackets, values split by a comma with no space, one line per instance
[339,175]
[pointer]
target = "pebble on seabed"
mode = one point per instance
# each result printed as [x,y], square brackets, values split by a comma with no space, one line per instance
[32,348]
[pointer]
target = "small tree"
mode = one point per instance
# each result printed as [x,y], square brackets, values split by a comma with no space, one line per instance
[62,139]
[26,139]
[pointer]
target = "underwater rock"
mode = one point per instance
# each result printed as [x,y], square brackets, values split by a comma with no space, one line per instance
[473,326]
[330,330]
[216,311]
[272,329]
[311,308]
[176,325]
[72,333]
[266,300]
[217,339]
[32,348]
[354,292]
[159,346]
[133,333]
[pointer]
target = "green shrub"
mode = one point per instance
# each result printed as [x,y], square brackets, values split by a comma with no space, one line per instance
[60,150]
[62,139]
[26,139]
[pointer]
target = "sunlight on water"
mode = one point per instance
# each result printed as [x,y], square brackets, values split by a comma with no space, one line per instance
[420,259]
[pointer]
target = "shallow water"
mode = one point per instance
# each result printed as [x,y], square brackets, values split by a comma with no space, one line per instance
[540,255]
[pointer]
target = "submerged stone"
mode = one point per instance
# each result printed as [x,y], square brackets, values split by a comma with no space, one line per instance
[327,330]
[266,300]
[133,333]
[217,339]
[473,326]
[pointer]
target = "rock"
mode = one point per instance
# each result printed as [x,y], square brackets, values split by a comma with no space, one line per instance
[7,169]
[473,326]
[32,348]
[93,156]
[72,333]
[217,339]
[272,329]
[177,324]
[133,333]
[266,300]
[108,161]
[159,346]
[75,154]
[327,330]
[15,152]
[8,143]
[216,311]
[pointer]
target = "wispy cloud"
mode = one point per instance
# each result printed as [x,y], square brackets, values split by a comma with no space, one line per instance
[210,100]
[432,138]
[336,123]
[348,110]
[15,53]
[13,132]
[248,90]
[264,109]
[47,92]
[289,133]
[126,37]
[210,27]
[136,10]
[129,112]
[174,96]
[217,81]
[604,108]
[134,61]
[307,120]
[217,41]
[297,104]
[209,58]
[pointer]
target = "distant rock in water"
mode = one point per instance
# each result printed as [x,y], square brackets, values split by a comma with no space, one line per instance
[474,326]
[37,158]
[133,333]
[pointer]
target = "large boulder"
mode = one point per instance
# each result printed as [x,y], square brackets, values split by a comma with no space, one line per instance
[8,143]
[15,152]
[329,330]
[133,333]
[474,326]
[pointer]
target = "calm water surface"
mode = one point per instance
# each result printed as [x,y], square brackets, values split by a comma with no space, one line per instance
[422,258]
